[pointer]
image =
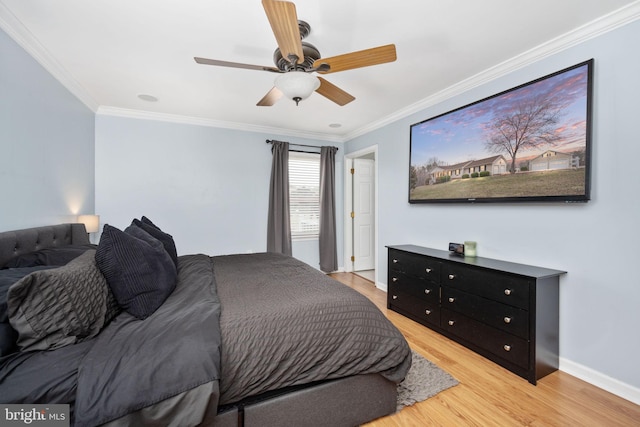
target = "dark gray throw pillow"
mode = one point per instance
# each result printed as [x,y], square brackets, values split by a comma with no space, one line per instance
[62,306]
[165,239]
[10,276]
[8,335]
[148,222]
[138,269]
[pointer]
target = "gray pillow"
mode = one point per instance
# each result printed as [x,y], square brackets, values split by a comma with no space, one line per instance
[54,308]
[8,335]
[166,239]
[138,269]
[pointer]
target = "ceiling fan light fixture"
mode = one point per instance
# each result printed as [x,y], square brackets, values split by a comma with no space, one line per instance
[297,85]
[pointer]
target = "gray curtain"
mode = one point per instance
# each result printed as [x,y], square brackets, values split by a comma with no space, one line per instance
[279,226]
[328,251]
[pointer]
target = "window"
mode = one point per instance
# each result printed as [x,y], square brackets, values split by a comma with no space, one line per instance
[304,195]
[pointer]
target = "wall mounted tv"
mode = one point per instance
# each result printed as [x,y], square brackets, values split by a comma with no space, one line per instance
[531,143]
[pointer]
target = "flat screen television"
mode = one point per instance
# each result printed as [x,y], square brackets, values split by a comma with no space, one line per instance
[531,143]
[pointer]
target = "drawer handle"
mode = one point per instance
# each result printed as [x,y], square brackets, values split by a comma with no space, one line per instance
[507,347]
[451,322]
[427,291]
[395,261]
[507,319]
[427,312]
[452,276]
[507,291]
[428,270]
[394,279]
[451,299]
[395,297]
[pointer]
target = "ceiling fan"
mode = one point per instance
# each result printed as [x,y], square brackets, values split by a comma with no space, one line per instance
[295,60]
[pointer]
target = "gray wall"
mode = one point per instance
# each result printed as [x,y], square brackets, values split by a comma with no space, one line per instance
[596,242]
[46,145]
[207,186]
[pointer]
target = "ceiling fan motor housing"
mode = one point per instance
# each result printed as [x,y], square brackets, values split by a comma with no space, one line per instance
[310,52]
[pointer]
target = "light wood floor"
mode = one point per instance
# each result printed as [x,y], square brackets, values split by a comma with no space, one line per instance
[489,395]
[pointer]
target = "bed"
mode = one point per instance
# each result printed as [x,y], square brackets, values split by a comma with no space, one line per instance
[240,340]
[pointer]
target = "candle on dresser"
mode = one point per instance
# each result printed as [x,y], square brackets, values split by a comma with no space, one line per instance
[470,249]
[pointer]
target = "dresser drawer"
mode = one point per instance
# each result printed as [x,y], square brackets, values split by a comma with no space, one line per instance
[498,287]
[502,316]
[414,265]
[423,311]
[419,288]
[501,344]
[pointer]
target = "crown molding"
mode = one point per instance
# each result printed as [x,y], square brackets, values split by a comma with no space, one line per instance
[174,118]
[602,25]
[18,32]
[21,35]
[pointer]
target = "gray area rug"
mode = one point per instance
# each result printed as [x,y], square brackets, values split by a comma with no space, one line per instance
[423,381]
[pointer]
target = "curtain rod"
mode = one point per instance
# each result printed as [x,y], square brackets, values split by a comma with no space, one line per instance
[271,141]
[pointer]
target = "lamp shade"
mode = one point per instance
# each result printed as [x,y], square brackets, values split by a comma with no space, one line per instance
[297,85]
[91,222]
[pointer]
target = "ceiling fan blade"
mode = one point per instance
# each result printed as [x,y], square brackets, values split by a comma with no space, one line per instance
[270,98]
[334,93]
[362,58]
[206,61]
[284,24]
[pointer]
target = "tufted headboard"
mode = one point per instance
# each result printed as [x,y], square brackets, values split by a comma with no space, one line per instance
[17,242]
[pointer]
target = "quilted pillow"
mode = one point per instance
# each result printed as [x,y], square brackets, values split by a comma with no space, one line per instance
[8,335]
[58,307]
[8,278]
[138,269]
[164,238]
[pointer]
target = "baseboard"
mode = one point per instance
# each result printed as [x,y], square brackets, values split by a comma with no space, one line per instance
[382,286]
[601,380]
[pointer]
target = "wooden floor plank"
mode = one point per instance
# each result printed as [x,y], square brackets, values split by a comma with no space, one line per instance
[489,395]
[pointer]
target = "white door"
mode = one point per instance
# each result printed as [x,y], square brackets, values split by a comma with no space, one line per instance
[364,215]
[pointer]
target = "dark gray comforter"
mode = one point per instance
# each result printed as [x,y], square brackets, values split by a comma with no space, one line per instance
[131,364]
[284,323]
[274,322]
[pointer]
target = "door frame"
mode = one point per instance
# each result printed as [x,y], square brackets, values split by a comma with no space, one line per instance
[348,199]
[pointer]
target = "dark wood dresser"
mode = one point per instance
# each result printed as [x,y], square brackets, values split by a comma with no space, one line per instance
[507,312]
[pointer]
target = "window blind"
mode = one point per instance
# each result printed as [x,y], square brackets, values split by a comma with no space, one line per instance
[304,195]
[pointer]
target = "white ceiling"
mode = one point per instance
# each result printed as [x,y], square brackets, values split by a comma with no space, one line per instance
[107,52]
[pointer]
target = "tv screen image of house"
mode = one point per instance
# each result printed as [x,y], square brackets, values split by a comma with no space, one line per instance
[529,143]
